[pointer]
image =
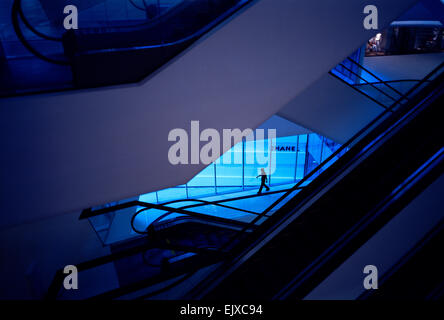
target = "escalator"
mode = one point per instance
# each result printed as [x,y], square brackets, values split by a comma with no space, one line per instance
[340,210]
[289,248]
[171,247]
[117,53]
[164,255]
[128,54]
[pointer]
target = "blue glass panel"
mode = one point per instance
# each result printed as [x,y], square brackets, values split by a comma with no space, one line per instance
[285,157]
[300,169]
[149,197]
[229,189]
[203,178]
[178,192]
[255,157]
[315,149]
[203,183]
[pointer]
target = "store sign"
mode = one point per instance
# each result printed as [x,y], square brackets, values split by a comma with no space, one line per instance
[285,148]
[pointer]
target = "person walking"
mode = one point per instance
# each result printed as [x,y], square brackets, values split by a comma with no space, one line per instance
[264,179]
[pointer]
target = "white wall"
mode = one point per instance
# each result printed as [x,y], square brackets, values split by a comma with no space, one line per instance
[67,151]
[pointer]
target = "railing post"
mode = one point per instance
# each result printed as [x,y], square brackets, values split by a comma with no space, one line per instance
[306,156]
[296,160]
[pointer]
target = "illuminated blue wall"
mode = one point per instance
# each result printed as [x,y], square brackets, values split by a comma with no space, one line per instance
[293,156]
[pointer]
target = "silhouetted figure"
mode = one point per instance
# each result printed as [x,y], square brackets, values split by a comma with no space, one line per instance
[264,179]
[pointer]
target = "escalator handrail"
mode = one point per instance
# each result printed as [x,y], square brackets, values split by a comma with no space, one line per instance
[59,275]
[388,81]
[176,210]
[146,23]
[89,213]
[163,216]
[368,83]
[193,36]
[158,18]
[32,28]
[137,6]
[354,87]
[372,84]
[16,24]
[17,11]
[372,74]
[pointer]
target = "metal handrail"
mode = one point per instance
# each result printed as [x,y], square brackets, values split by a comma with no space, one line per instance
[89,213]
[168,209]
[15,13]
[373,86]
[358,90]
[193,36]
[388,81]
[372,74]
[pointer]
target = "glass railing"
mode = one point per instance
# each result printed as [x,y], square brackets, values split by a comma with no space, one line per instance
[388,81]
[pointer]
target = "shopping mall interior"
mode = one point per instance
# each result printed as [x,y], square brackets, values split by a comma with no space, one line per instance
[354,172]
